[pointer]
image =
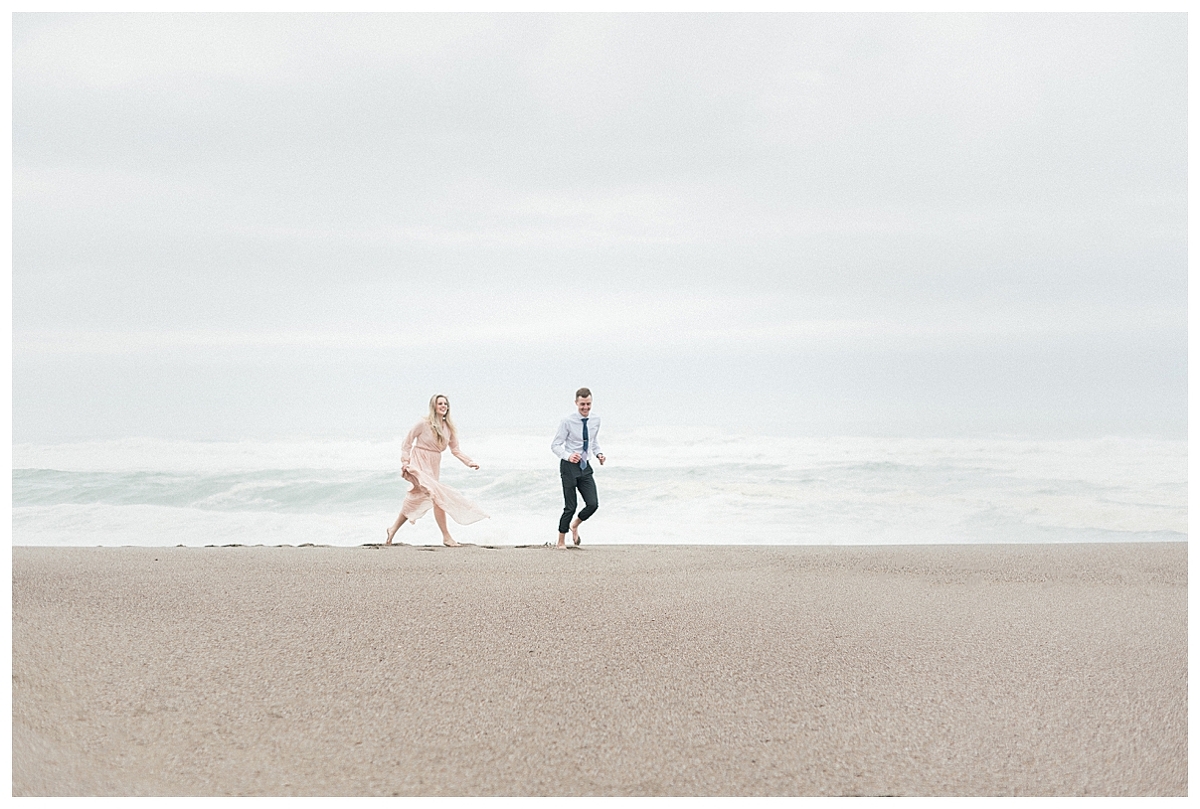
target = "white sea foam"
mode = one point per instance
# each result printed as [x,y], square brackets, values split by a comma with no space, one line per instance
[669,486]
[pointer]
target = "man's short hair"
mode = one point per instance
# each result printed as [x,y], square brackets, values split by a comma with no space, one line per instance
[583,393]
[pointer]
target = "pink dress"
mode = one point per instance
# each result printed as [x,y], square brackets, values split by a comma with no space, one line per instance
[423,455]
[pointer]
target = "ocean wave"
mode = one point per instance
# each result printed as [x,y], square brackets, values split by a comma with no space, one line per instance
[729,491]
[648,449]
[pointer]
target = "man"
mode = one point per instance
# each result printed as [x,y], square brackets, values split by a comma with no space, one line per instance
[576,443]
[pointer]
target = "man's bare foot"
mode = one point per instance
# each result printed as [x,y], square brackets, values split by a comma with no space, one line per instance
[575,534]
[450,543]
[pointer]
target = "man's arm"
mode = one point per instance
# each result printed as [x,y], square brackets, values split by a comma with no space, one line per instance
[559,445]
[595,444]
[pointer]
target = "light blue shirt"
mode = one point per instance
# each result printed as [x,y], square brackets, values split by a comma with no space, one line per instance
[569,438]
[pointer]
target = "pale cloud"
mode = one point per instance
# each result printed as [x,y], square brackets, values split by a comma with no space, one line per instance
[265,188]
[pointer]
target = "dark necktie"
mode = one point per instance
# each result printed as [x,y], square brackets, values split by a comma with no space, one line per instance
[583,454]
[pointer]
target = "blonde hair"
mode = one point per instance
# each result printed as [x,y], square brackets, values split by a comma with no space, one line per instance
[437,423]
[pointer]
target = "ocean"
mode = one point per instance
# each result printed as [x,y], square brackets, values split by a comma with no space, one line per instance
[659,486]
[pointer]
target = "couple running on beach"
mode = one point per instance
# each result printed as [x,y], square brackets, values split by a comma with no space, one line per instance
[576,443]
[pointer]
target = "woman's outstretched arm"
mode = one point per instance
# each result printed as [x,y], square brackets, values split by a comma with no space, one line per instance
[458,453]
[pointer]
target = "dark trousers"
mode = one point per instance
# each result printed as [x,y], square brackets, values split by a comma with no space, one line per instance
[575,478]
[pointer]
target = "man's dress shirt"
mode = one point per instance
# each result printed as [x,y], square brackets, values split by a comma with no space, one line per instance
[569,438]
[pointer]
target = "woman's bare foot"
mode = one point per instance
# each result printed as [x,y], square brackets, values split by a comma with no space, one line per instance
[450,543]
[395,527]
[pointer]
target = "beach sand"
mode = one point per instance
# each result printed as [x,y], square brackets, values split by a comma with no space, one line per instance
[610,670]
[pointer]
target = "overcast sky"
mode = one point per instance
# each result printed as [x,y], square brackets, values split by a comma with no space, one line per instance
[268,225]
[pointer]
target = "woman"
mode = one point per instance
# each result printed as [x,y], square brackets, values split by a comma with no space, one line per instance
[421,464]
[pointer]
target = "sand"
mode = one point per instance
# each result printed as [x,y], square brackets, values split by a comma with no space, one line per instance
[617,670]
